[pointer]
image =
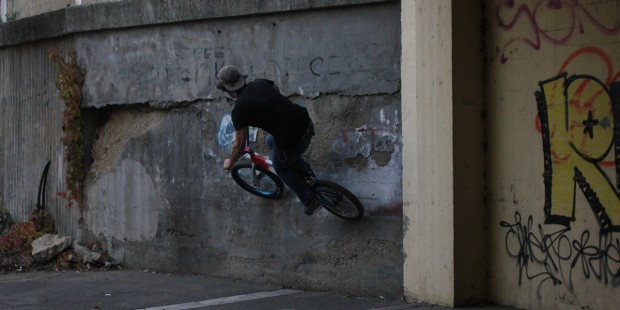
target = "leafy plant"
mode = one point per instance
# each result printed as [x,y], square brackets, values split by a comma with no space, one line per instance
[16,241]
[19,237]
[43,222]
[69,80]
[11,16]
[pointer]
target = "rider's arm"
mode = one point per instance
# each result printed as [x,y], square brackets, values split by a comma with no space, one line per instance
[237,148]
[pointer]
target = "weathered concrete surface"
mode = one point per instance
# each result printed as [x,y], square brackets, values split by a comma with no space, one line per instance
[158,131]
[161,200]
[165,65]
[135,13]
[30,133]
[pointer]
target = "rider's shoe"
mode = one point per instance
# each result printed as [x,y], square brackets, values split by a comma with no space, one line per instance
[313,207]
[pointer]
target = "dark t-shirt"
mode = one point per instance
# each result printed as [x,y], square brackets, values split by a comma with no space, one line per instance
[260,105]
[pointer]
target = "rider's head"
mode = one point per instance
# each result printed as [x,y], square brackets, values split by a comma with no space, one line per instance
[230,79]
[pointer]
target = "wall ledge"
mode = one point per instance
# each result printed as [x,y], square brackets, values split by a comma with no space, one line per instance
[137,13]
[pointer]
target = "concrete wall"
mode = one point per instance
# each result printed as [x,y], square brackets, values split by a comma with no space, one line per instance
[541,234]
[158,132]
[548,238]
[30,111]
[27,8]
[552,168]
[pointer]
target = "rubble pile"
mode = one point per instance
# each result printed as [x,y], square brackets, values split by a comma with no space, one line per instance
[55,252]
[31,246]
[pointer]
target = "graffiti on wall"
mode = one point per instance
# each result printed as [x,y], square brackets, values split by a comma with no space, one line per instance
[553,21]
[554,257]
[381,134]
[579,128]
[213,58]
[226,132]
[579,121]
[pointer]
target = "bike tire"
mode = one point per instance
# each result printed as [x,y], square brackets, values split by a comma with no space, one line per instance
[338,200]
[268,184]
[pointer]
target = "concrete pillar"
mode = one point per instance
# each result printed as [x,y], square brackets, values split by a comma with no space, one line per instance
[470,216]
[442,263]
[428,241]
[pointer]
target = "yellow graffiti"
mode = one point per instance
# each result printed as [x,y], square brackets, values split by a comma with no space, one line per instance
[578,128]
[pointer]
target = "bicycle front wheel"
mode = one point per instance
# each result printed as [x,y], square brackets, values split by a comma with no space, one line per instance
[257,180]
[338,200]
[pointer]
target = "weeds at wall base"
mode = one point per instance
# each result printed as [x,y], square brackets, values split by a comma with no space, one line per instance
[16,249]
[15,242]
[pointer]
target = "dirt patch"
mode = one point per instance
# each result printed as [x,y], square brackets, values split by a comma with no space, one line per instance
[381,158]
[122,125]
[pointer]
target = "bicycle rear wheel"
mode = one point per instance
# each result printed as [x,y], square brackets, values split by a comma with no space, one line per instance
[338,200]
[257,180]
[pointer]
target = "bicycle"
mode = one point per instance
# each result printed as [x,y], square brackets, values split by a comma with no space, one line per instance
[258,177]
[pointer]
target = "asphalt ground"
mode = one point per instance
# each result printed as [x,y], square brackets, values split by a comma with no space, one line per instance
[131,289]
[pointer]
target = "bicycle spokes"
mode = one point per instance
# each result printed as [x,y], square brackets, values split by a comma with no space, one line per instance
[329,197]
[260,182]
[256,177]
[338,200]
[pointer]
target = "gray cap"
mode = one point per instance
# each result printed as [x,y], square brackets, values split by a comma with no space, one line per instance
[230,78]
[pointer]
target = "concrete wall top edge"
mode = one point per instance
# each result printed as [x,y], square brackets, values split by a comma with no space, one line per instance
[135,13]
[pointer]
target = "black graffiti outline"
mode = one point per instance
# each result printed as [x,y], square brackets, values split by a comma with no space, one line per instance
[589,254]
[312,65]
[547,244]
[553,250]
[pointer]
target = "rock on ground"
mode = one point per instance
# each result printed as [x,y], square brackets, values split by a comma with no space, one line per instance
[48,246]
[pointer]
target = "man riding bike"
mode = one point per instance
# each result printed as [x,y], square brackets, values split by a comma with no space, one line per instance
[290,130]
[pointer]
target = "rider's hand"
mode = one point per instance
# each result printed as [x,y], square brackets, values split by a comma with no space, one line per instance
[227,164]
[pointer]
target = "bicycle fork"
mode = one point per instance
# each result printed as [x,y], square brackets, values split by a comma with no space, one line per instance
[256,175]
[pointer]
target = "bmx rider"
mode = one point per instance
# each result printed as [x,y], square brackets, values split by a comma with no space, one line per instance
[258,103]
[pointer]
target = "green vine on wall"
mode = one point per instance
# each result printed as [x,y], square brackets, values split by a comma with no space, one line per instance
[69,80]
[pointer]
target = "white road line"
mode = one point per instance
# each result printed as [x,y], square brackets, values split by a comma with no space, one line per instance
[398,307]
[225,300]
